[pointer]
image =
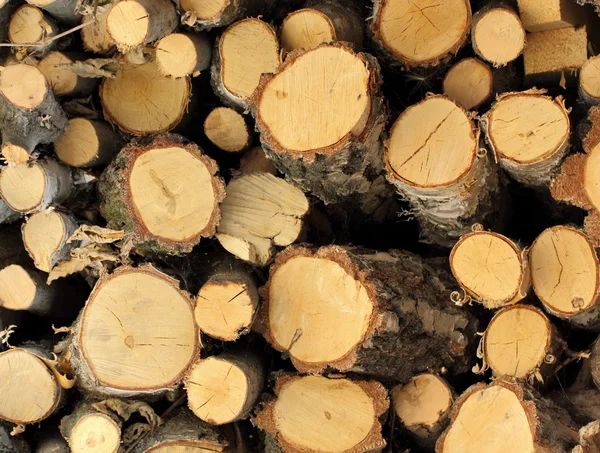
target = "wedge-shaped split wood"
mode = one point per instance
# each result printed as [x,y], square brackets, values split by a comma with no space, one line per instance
[364,311]
[244,51]
[534,423]
[469,83]
[164,192]
[565,275]
[419,33]
[223,389]
[450,184]
[320,414]
[423,406]
[259,212]
[490,268]
[63,11]
[529,135]
[135,336]
[497,35]
[550,15]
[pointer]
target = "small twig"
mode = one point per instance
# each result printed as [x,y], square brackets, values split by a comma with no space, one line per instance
[45,43]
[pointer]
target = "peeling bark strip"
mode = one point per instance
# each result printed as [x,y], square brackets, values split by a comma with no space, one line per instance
[419,34]
[383,314]
[528,134]
[577,182]
[342,414]
[450,185]
[164,192]
[341,160]
[205,15]
[534,423]
[146,351]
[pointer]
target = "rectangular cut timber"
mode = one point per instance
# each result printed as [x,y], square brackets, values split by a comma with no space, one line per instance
[543,15]
[548,54]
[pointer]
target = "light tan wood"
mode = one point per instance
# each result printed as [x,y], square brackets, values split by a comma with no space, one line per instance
[17,288]
[182,54]
[95,37]
[29,25]
[490,268]
[225,308]
[133,23]
[469,83]
[141,101]
[418,152]
[44,235]
[260,211]
[491,420]
[329,106]
[205,9]
[247,49]
[23,186]
[62,81]
[306,29]
[227,129]
[95,433]
[549,15]
[589,78]
[517,341]
[423,32]
[317,414]
[14,154]
[23,85]
[137,331]
[30,392]
[423,402]
[497,35]
[564,270]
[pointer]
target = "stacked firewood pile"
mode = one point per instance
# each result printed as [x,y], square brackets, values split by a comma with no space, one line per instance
[322,226]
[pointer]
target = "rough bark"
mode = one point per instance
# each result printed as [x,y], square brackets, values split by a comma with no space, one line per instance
[235,10]
[63,11]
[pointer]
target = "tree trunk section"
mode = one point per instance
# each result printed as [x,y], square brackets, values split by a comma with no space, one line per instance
[29,25]
[469,83]
[497,35]
[65,82]
[62,10]
[87,428]
[220,13]
[95,37]
[589,81]
[227,130]
[183,54]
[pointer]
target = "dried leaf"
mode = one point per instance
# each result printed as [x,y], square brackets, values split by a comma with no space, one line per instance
[93,68]
[82,258]
[96,234]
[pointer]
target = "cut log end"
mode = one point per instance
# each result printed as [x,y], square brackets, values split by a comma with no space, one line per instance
[205,11]
[95,433]
[424,38]
[589,80]
[227,129]
[469,83]
[23,186]
[183,54]
[141,101]
[44,235]
[158,342]
[18,287]
[23,86]
[29,25]
[418,156]
[498,35]
[31,391]
[14,154]
[95,37]
[306,29]
[490,268]
[564,271]
[517,342]
[313,404]
[63,81]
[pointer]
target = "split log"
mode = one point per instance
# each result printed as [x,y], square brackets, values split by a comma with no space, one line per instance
[260,212]
[135,336]
[550,15]
[35,186]
[521,343]
[450,188]
[490,268]
[227,303]
[320,414]
[244,51]
[65,82]
[183,433]
[223,389]
[484,414]
[577,182]
[140,101]
[321,23]
[87,430]
[29,25]
[164,192]
[227,130]
[256,161]
[183,54]
[46,235]
[565,275]
[220,13]
[134,23]
[87,143]
[31,388]
[423,406]
[95,37]
[333,149]
[29,113]
[497,35]
[409,37]
[469,83]
[589,81]
[529,135]
[382,314]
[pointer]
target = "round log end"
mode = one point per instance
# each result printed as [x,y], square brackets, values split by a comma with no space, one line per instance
[44,234]
[205,11]
[469,83]
[498,35]
[589,78]
[23,86]
[227,129]
[23,186]
[95,433]
[306,29]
